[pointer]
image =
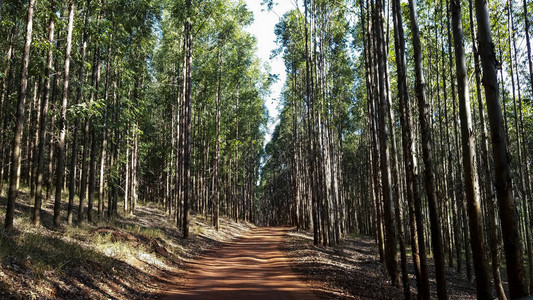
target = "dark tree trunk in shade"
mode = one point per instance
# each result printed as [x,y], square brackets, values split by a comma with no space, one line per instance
[44,118]
[486,166]
[19,122]
[187,91]
[63,121]
[75,134]
[391,257]
[429,180]
[417,248]
[477,238]
[504,185]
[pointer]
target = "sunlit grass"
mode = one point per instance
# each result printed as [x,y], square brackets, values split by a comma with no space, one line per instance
[197,229]
[94,256]
[43,254]
[150,233]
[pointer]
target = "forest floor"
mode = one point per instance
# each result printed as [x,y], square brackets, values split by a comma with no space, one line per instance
[144,256]
[352,270]
[134,257]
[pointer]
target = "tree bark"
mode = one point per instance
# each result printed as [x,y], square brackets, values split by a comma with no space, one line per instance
[296,166]
[310,124]
[3,93]
[63,122]
[103,157]
[504,184]
[44,114]
[93,139]
[523,168]
[75,136]
[417,237]
[89,140]
[391,257]
[429,180]
[477,238]
[216,162]
[19,122]
[187,91]
[489,189]
[53,136]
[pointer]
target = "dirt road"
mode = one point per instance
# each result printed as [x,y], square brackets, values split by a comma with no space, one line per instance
[252,267]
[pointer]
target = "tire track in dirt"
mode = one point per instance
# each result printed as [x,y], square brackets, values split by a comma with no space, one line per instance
[251,267]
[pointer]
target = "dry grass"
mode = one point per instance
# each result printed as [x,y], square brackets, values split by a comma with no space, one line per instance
[133,257]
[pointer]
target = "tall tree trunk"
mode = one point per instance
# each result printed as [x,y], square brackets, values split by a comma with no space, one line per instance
[93,140]
[134,168]
[53,136]
[44,114]
[504,189]
[477,238]
[103,157]
[86,161]
[127,174]
[452,178]
[75,136]
[375,145]
[429,180]
[216,162]
[459,190]
[33,137]
[84,169]
[489,189]
[523,168]
[112,204]
[296,166]
[92,174]
[3,93]
[187,91]
[417,237]
[396,166]
[391,256]
[310,123]
[236,158]
[63,122]
[17,136]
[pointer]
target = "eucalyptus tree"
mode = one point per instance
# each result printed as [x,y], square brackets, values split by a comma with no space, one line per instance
[74,152]
[171,96]
[63,120]
[14,174]
[486,180]
[226,81]
[43,121]
[289,38]
[409,157]
[511,236]
[477,237]
[429,176]
[316,115]
[382,103]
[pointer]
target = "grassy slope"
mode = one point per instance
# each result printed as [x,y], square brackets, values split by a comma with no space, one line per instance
[135,257]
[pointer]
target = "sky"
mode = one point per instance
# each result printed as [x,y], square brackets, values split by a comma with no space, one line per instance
[263,29]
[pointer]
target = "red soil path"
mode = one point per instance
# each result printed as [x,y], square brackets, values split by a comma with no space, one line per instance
[251,267]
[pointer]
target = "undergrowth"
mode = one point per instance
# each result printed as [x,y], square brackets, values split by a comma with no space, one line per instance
[119,258]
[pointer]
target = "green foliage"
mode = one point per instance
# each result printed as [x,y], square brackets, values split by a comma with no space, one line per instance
[334,98]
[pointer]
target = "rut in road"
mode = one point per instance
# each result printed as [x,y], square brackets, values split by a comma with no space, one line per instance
[252,267]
